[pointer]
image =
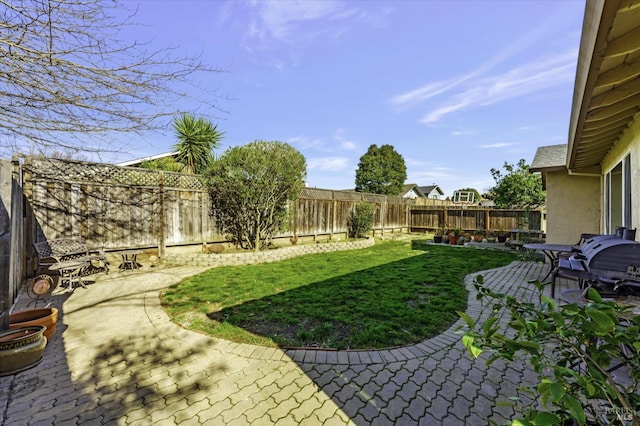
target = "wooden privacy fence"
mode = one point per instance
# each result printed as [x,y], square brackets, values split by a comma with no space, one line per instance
[12,255]
[115,207]
[446,218]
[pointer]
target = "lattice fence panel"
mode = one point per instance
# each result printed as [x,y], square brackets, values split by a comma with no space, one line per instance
[52,169]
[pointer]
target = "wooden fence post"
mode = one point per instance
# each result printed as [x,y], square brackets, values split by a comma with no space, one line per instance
[162,245]
[486,221]
[383,213]
[445,218]
[12,256]
[334,219]
[5,243]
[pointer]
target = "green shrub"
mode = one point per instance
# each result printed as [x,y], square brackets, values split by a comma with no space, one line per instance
[573,348]
[360,220]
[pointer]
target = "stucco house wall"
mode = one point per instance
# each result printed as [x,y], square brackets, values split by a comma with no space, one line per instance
[604,130]
[575,205]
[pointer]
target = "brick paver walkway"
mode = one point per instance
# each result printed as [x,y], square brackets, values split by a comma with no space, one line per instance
[117,359]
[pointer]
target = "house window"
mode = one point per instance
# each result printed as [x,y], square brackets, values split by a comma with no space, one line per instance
[618,196]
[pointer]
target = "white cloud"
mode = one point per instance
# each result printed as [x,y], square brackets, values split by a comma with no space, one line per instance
[303,142]
[281,19]
[462,132]
[497,145]
[328,164]
[517,82]
[345,143]
[475,91]
[348,145]
[420,94]
[339,143]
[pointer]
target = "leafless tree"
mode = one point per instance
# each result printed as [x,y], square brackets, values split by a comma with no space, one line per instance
[69,82]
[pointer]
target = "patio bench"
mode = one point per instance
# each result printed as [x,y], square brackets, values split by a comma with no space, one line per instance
[60,250]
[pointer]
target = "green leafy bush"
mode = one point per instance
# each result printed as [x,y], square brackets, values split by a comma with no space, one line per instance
[573,348]
[360,220]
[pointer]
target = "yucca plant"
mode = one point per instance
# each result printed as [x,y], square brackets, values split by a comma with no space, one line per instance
[197,138]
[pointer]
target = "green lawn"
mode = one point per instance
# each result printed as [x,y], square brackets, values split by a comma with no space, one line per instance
[394,293]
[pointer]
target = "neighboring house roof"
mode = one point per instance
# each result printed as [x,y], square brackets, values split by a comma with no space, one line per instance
[550,158]
[137,162]
[606,95]
[430,188]
[411,190]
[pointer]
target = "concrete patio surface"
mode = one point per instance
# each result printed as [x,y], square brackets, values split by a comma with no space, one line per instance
[117,359]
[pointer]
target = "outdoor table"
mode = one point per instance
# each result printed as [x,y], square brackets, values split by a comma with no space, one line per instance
[70,272]
[552,253]
[129,259]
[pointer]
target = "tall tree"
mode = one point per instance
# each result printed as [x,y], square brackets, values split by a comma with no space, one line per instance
[381,171]
[197,138]
[517,187]
[250,188]
[68,80]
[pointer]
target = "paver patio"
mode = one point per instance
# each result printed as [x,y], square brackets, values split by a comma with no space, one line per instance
[117,359]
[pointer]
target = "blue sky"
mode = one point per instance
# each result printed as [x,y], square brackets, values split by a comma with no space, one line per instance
[457,87]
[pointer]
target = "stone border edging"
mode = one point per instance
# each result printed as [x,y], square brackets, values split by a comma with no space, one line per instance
[234,259]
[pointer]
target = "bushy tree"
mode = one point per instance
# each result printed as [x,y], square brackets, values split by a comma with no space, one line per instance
[381,171]
[197,138]
[517,187]
[250,188]
[360,220]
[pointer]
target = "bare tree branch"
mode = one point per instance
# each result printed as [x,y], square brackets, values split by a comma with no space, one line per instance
[68,81]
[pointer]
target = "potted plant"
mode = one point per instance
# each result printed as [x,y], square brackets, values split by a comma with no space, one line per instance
[437,237]
[502,236]
[47,317]
[478,235]
[491,237]
[21,348]
[455,235]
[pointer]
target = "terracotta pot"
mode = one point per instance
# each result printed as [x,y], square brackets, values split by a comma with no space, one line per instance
[45,316]
[21,348]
